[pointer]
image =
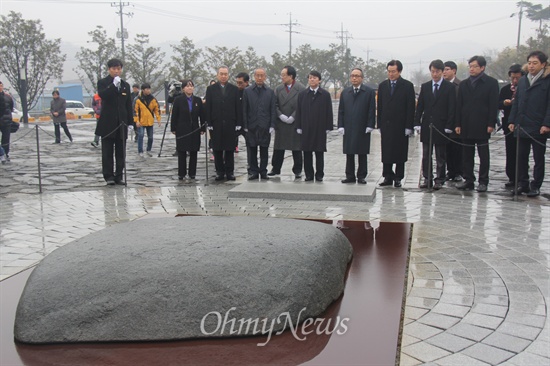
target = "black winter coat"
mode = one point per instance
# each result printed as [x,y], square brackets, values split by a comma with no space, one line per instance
[116,108]
[355,114]
[314,117]
[187,124]
[223,115]
[438,111]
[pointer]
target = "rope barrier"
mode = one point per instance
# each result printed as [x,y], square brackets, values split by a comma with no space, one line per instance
[469,145]
[532,138]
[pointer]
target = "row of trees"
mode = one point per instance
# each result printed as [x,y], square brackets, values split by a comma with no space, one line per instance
[145,63]
[28,55]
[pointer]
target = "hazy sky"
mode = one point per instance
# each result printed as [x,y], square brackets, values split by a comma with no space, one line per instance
[383,28]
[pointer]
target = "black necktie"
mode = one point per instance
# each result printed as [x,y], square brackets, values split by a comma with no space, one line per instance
[392,87]
[436,86]
[356,91]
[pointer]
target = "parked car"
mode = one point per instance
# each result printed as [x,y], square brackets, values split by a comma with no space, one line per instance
[77,108]
[17,115]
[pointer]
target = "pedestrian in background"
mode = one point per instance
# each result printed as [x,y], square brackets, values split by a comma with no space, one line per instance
[96,105]
[57,109]
[6,120]
[146,110]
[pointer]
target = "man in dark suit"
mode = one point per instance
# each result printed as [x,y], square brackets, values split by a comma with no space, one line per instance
[112,126]
[314,120]
[505,100]
[356,121]
[454,147]
[435,111]
[259,115]
[395,120]
[286,138]
[476,115]
[223,117]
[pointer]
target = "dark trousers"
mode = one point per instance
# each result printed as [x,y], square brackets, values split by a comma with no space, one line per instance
[440,157]
[319,164]
[468,154]
[182,163]
[361,166]
[278,158]
[454,158]
[5,129]
[539,149]
[389,174]
[253,159]
[58,131]
[108,147]
[224,162]
[510,143]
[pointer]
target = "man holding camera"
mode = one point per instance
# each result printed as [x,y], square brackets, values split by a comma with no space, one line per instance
[112,126]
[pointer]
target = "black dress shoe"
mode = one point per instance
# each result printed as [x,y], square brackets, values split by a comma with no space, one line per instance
[425,184]
[120,183]
[348,180]
[520,190]
[481,187]
[110,182]
[534,192]
[386,182]
[509,184]
[272,173]
[397,184]
[458,178]
[230,177]
[191,177]
[253,177]
[361,181]
[297,176]
[308,179]
[319,179]
[264,176]
[465,186]
[219,177]
[438,186]
[180,177]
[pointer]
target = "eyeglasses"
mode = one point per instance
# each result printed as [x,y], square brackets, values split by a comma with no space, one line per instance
[356,76]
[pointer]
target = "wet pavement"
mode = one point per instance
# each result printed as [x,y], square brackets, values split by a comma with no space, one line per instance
[479,279]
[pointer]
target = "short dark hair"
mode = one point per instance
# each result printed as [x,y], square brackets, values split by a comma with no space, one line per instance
[145,86]
[437,64]
[55,92]
[291,71]
[395,63]
[135,85]
[481,61]
[114,62]
[514,69]
[451,64]
[315,73]
[358,69]
[185,82]
[538,54]
[244,75]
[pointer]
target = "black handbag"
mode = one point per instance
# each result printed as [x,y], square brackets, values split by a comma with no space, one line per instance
[14,126]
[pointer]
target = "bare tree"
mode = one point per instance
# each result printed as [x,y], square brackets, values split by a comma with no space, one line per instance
[27,53]
[93,62]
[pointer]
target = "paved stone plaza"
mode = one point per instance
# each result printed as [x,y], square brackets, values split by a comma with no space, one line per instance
[479,281]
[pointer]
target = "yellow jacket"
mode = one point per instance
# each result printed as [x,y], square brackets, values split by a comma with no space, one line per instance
[144,112]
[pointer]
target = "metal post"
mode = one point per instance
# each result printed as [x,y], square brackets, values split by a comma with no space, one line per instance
[23,96]
[38,158]
[516,178]
[165,127]
[430,163]
[206,150]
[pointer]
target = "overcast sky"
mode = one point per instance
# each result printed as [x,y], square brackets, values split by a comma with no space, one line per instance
[396,29]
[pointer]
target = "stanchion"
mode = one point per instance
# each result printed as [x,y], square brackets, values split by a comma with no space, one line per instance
[165,127]
[516,178]
[38,156]
[206,150]
[430,163]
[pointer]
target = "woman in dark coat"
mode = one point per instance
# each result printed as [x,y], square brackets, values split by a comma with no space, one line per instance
[187,111]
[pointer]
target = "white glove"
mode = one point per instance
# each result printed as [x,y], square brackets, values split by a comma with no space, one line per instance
[408,132]
[341,131]
[246,130]
[130,128]
[369,130]
[283,118]
[417,129]
[271,130]
[117,81]
[210,128]
[290,120]
[237,128]
[327,131]
[448,131]
[299,131]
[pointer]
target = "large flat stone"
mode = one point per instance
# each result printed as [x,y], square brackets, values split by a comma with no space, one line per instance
[166,279]
[322,191]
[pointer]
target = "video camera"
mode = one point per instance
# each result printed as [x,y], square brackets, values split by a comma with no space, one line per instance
[175,89]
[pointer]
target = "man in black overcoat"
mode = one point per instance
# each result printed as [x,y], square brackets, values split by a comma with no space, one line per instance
[454,147]
[356,121]
[476,116]
[435,108]
[223,117]
[395,120]
[112,126]
[314,120]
